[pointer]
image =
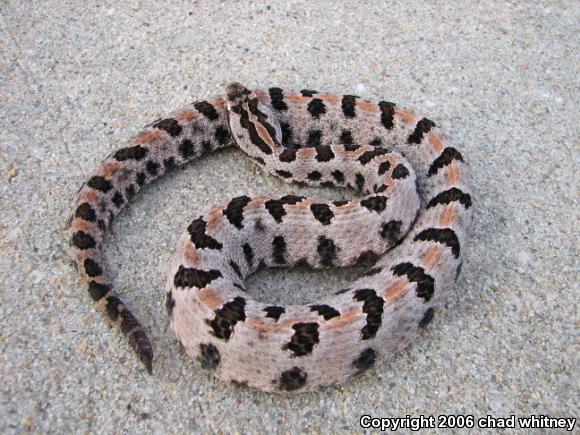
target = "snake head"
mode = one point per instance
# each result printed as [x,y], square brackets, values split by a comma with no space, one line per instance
[252,123]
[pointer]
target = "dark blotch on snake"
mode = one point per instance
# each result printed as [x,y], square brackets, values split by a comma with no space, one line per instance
[287,155]
[325,311]
[169,303]
[308,92]
[346,137]
[278,250]
[391,230]
[348,106]
[373,308]
[326,251]
[227,316]
[316,107]
[186,149]
[292,379]
[387,114]
[324,153]
[365,361]
[222,135]
[277,99]
[338,176]
[384,167]
[98,291]
[304,339]
[322,213]
[314,176]
[274,312]
[425,282]
[276,206]
[360,181]
[118,199]
[314,138]
[423,126]
[83,240]
[248,254]
[286,133]
[86,212]
[234,211]
[152,167]
[448,155]
[141,177]
[400,172]
[450,195]
[367,258]
[284,174]
[169,164]
[427,317]
[236,269]
[445,236]
[100,183]
[198,236]
[92,268]
[169,125]
[207,110]
[136,152]
[368,156]
[130,191]
[375,203]
[191,277]
[209,356]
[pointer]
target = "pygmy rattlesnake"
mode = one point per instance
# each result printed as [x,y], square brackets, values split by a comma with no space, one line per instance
[416,200]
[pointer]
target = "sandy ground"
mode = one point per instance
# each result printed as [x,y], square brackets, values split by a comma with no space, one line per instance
[502,79]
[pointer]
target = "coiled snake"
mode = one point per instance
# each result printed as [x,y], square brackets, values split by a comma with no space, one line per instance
[416,201]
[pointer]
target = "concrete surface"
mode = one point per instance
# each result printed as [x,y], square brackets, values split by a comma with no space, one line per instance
[80,77]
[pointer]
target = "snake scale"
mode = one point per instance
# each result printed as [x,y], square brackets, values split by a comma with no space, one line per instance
[410,224]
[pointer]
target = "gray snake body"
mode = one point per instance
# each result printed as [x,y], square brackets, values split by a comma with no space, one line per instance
[416,201]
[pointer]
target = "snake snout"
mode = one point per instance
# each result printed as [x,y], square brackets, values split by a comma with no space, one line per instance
[236,93]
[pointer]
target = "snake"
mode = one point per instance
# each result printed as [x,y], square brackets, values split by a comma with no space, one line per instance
[407,228]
